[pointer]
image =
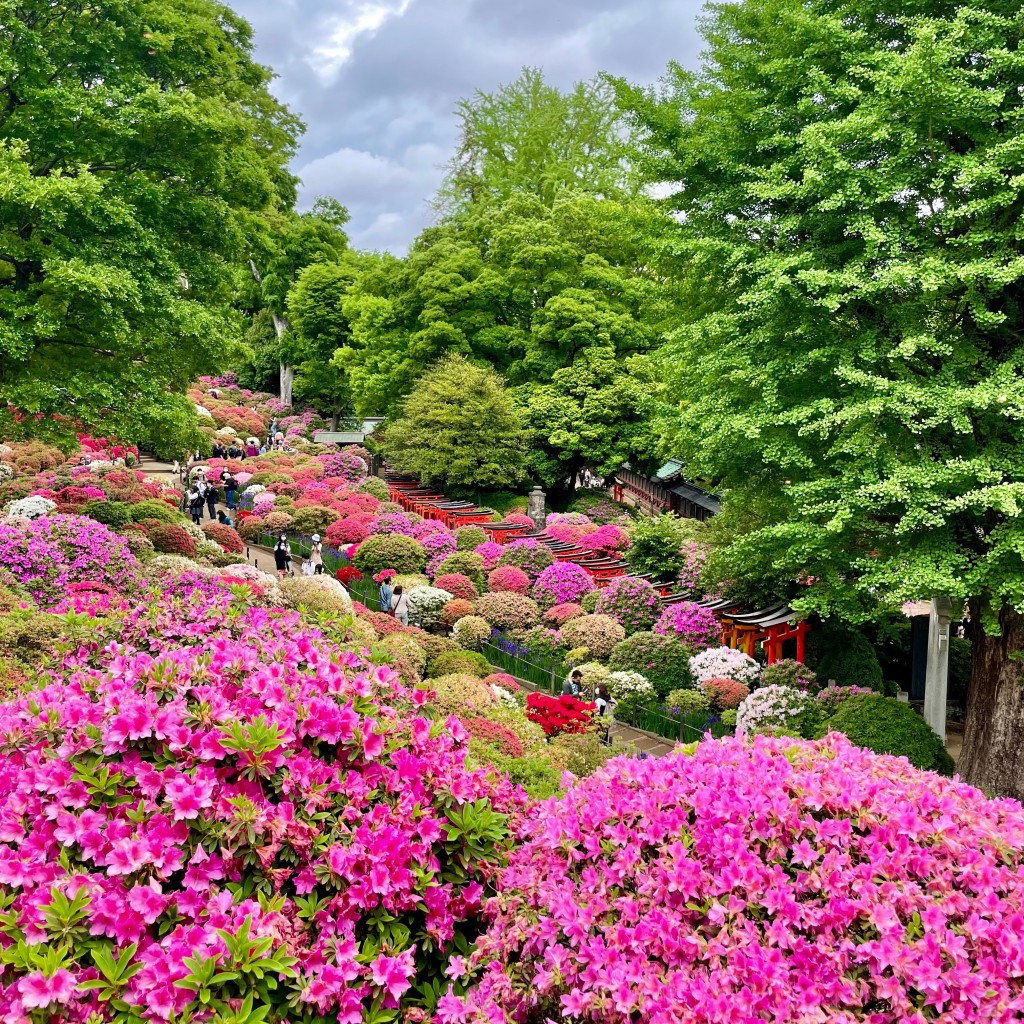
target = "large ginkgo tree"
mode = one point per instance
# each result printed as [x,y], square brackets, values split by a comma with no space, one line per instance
[849,177]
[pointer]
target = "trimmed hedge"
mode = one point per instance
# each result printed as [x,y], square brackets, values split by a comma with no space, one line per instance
[888,726]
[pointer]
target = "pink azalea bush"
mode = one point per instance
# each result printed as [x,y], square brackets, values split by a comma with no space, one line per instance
[562,583]
[48,554]
[490,552]
[562,613]
[693,624]
[508,577]
[780,881]
[633,603]
[223,777]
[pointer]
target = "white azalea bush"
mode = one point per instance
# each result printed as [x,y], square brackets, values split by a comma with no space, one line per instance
[776,710]
[426,605]
[33,507]
[630,688]
[725,663]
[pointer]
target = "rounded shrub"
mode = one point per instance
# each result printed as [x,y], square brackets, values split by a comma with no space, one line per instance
[468,538]
[508,611]
[790,673]
[226,536]
[589,601]
[471,631]
[562,583]
[456,609]
[468,663]
[426,605]
[508,578]
[154,508]
[390,551]
[633,603]
[560,614]
[779,711]
[466,563]
[376,487]
[169,538]
[693,624]
[889,726]
[688,702]
[840,654]
[529,555]
[313,519]
[317,594]
[664,660]
[598,633]
[458,585]
[724,694]
[115,514]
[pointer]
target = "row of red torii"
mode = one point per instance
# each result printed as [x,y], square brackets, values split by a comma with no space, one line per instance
[771,627]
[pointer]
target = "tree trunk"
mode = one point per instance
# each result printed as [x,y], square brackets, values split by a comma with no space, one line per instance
[287,378]
[994,731]
[335,414]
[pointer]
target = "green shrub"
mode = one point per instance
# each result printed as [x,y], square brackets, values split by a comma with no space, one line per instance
[841,654]
[657,546]
[889,726]
[689,702]
[470,537]
[589,601]
[154,508]
[664,660]
[729,718]
[503,501]
[790,673]
[115,514]
[468,563]
[313,519]
[435,646]
[467,663]
[532,771]
[390,551]
[375,486]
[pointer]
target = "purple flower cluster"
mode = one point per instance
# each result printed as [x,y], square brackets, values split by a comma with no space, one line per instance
[562,583]
[632,602]
[693,624]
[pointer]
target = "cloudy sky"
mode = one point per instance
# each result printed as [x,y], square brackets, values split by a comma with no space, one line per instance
[377,81]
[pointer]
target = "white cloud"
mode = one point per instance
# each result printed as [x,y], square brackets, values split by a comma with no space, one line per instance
[362,18]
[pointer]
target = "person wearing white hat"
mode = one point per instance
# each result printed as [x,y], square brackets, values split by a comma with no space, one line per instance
[316,554]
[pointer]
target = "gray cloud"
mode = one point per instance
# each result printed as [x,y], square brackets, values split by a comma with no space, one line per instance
[377,82]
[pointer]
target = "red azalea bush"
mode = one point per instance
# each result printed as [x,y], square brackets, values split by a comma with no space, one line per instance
[348,574]
[724,694]
[157,786]
[169,539]
[519,519]
[606,540]
[558,715]
[528,555]
[226,536]
[351,530]
[458,585]
[509,578]
[780,880]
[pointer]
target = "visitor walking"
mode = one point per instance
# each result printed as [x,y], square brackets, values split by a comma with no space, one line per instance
[283,556]
[400,605]
[195,504]
[230,490]
[573,685]
[211,499]
[386,594]
[316,552]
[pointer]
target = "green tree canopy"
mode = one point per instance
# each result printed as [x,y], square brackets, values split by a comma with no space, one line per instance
[531,137]
[598,412]
[459,430]
[850,175]
[138,142]
[521,284]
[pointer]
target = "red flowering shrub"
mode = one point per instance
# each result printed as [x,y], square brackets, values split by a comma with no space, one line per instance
[724,694]
[226,536]
[454,610]
[169,539]
[496,733]
[509,578]
[351,530]
[348,574]
[458,585]
[557,715]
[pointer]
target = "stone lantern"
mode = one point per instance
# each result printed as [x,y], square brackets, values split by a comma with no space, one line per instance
[535,507]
